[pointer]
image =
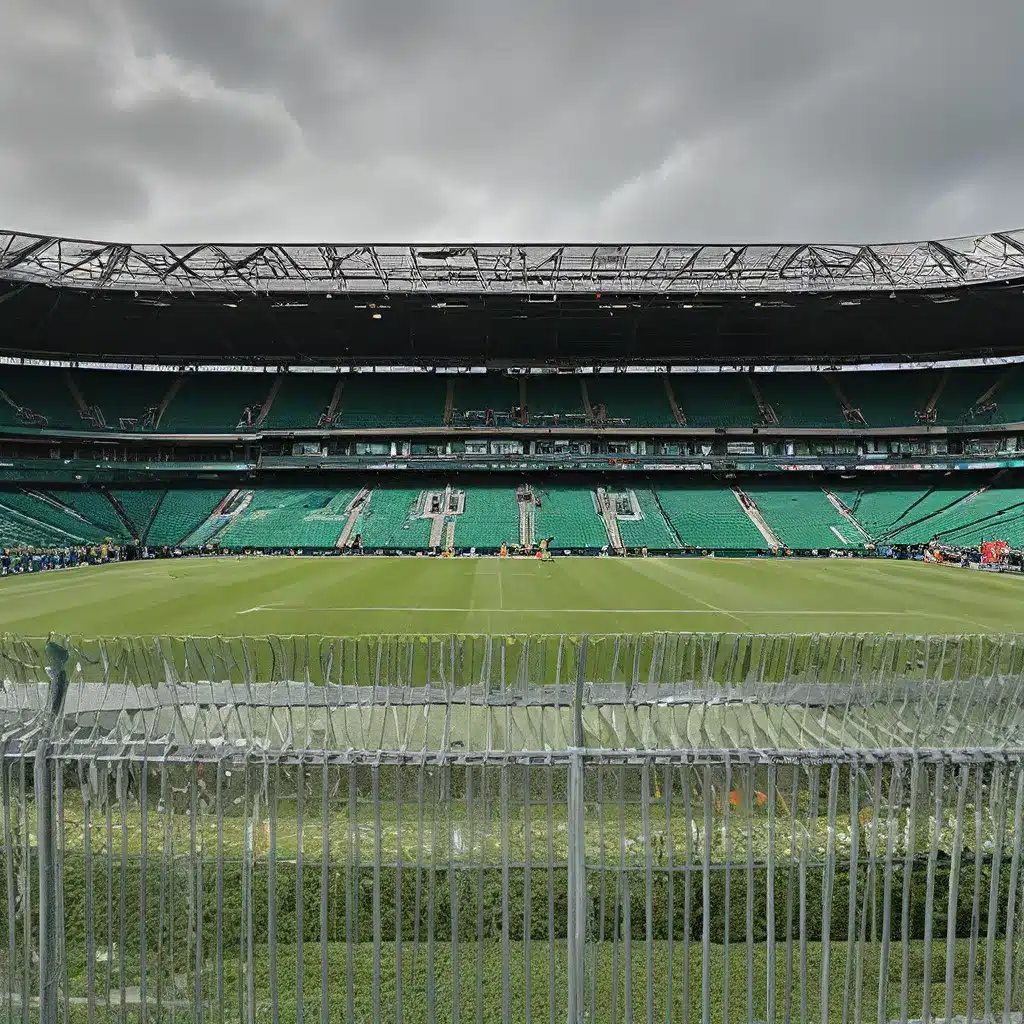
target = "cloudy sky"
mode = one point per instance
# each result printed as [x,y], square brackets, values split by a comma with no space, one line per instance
[452,120]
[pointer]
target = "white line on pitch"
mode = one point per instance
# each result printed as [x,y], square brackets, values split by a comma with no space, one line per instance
[600,611]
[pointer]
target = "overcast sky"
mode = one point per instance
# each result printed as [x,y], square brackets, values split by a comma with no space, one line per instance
[452,120]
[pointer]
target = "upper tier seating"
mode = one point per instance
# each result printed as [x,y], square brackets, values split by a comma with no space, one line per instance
[215,402]
[301,401]
[715,400]
[475,393]
[392,400]
[552,400]
[569,516]
[631,399]
[121,395]
[35,397]
[490,517]
[804,519]
[801,399]
[710,517]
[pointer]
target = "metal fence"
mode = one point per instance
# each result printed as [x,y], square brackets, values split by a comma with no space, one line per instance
[667,827]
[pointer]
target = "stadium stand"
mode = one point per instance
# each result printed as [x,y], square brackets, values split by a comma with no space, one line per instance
[490,517]
[392,519]
[630,400]
[215,402]
[179,513]
[376,400]
[881,511]
[710,517]
[552,400]
[52,516]
[123,400]
[475,393]
[139,507]
[801,399]
[96,508]
[982,513]
[569,516]
[288,519]
[804,519]
[302,400]
[652,530]
[32,396]
[715,399]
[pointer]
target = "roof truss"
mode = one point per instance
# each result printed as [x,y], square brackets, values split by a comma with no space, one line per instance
[510,268]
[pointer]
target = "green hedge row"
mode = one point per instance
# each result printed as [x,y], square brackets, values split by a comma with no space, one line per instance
[479,897]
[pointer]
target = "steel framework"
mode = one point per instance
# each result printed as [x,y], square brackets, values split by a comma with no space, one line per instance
[511,269]
[669,827]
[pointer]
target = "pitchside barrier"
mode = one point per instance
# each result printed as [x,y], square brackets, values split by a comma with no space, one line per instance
[660,827]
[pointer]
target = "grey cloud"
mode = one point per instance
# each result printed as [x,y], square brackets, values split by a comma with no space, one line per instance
[394,120]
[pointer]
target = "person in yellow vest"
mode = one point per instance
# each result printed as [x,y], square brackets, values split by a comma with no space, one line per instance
[504,550]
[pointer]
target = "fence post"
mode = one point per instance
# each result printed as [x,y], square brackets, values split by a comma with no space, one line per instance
[576,861]
[46,839]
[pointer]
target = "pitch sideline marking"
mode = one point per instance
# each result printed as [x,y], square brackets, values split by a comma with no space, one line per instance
[611,611]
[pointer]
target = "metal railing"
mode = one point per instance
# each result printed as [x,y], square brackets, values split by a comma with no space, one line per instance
[670,827]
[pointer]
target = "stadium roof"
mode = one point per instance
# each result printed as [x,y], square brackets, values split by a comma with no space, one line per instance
[510,269]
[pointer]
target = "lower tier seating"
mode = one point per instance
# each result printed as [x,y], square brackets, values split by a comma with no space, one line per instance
[652,530]
[710,517]
[569,516]
[392,518]
[660,516]
[287,519]
[490,517]
[180,513]
[804,519]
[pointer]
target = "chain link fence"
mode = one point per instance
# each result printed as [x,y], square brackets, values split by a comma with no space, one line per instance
[667,827]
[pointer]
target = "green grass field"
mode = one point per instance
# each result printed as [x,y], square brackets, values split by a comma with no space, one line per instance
[349,596]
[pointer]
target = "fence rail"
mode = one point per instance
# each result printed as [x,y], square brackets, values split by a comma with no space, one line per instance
[673,828]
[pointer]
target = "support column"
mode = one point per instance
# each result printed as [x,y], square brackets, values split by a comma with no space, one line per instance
[577,867]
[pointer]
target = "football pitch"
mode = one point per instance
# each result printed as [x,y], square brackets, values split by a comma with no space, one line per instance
[371,595]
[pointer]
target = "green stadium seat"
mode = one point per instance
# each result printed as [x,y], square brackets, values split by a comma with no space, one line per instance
[97,509]
[801,399]
[301,401]
[215,402]
[715,399]
[390,519]
[294,518]
[631,399]
[550,398]
[489,518]
[653,530]
[180,513]
[569,516]
[709,517]
[139,507]
[123,395]
[475,393]
[379,400]
[35,391]
[804,519]
[57,516]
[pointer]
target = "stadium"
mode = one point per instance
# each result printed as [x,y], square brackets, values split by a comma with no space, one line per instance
[534,632]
